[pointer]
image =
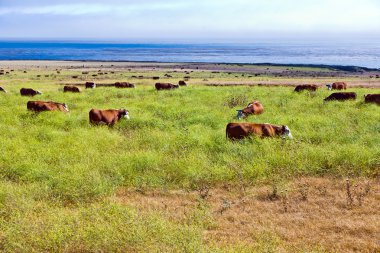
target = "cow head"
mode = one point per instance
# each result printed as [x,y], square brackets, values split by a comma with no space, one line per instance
[329,86]
[124,114]
[286,132]
[175,86]
[38,92]
[65,107]
[240,114]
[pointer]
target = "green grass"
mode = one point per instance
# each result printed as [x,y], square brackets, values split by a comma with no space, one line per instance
[56,170]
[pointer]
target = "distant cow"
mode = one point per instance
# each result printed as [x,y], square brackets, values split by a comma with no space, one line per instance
[341,96]
[156,78]
[124,85]
[372,98]
[166,86]
[253,108]
[29,92]
[40,106]
[309,87]
[2,90]
[182,83]
[337,86]
[90,85]
[237,131]
[108,117]
[71,89]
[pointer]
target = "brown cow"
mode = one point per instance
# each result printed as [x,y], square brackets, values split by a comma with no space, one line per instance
[124,85]
[341,96]
[108,117]
[40,106]
[71,89]
[237,131]
[309,87]
[337,86]
[29,92]
[253,108]
[166,86]
[2,89]
[182,83]
[372,98]
[90,85]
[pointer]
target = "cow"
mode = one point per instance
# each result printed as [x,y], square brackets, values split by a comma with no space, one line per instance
[238,131]
[372,98]
[108,117]
[182,83]
[341,96]
[124,85]
[337,86]
[309,87]
[90,85]
[253,108]
[29,92]
[71,89]
[40,106]
[166,86]
[2,90]
[156,78]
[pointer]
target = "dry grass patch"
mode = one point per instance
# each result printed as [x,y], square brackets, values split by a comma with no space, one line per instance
[328,214]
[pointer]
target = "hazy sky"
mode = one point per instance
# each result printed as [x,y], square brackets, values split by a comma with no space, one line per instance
[185,19]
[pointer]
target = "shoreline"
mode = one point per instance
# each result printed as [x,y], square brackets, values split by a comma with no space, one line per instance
[349,68]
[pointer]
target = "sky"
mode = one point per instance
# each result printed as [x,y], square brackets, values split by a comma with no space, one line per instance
[195,20]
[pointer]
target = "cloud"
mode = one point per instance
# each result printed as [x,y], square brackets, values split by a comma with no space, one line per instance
[87,9]
[186,19]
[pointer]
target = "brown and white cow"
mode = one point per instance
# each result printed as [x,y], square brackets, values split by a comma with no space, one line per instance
[124,85]
[341,96]
[29,92]
[71,89]
[309,87]
[2,90]
[40,106]
[372,98]
[166,86]
[253,108]
[237,131]
[90,85]
[337,86]
[108,117]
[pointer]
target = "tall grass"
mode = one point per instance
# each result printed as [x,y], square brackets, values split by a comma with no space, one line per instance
[55,167]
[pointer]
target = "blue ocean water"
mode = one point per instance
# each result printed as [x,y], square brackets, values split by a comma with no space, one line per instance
[355,54]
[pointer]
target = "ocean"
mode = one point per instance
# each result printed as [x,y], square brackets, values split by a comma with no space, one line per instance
[346,54]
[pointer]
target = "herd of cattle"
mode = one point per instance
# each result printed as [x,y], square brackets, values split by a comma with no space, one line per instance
[234,131]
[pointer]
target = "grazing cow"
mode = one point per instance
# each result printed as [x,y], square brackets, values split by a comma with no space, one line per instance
[341,96]
[29,92]
[337,86]
[166,86]
[156,78]
[253,108]
[2,89]
[237,131]
[40,106]
[124,85]
[90,85]
[182,83]
[309,87]
[372,98]
[71,89]
[108,117]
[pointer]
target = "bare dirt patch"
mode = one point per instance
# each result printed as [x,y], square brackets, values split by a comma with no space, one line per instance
[308,213]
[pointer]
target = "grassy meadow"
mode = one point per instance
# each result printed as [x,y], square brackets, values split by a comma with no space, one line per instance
[58,173]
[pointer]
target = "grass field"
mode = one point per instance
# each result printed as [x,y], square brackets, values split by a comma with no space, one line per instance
[59,175]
